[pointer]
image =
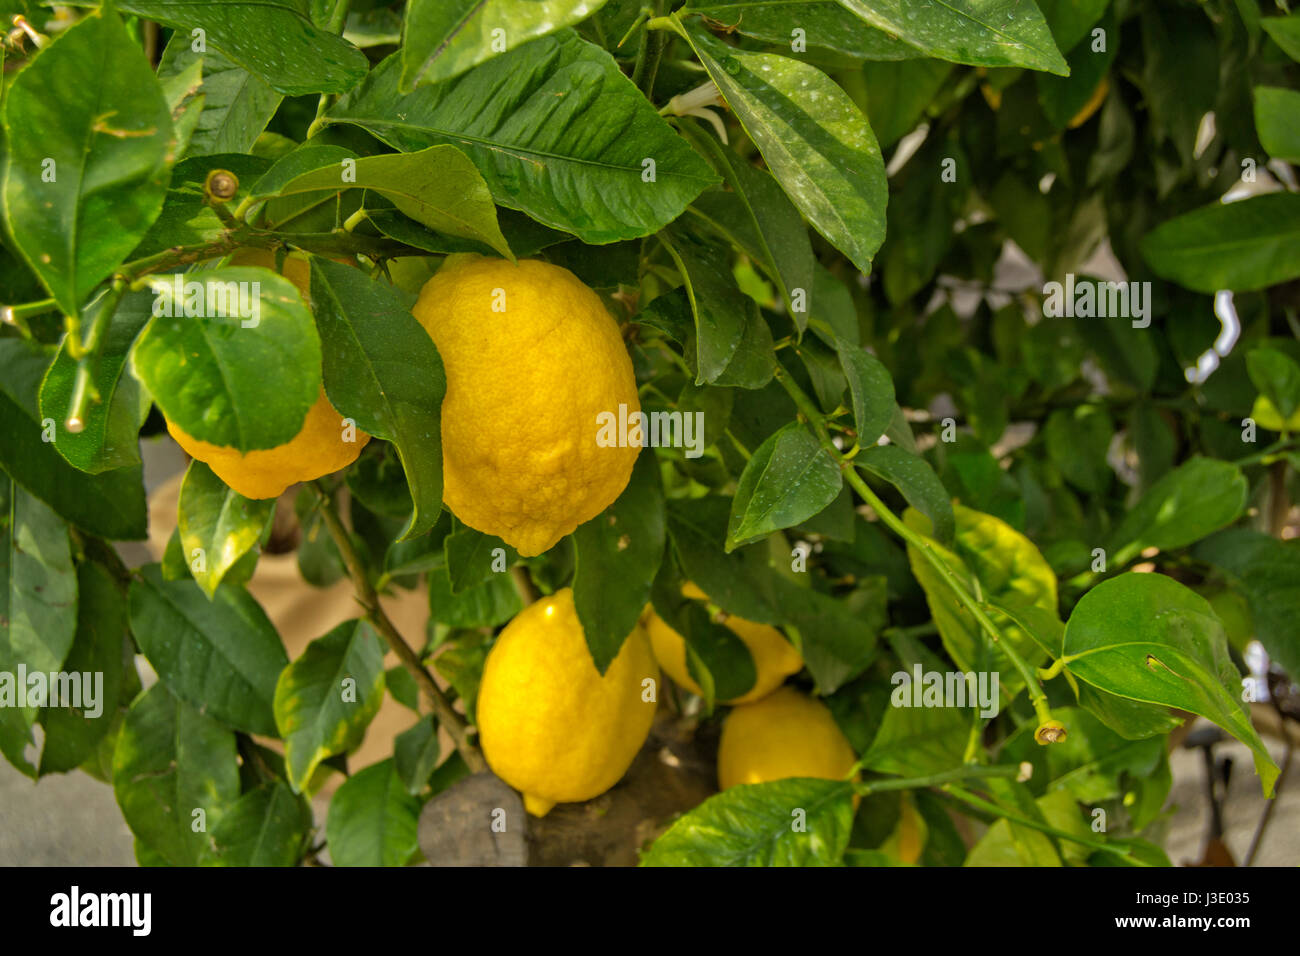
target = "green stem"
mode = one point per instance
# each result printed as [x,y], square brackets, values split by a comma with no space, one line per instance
[985,805]
[649,54]
[934,779]
[813,415]
[83,387]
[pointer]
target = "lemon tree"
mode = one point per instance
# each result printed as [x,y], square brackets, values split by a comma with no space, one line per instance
[804,411]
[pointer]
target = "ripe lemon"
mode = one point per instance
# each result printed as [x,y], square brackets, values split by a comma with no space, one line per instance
[786,734]
[775,658]
[532,359]
[550,725]
[318,449]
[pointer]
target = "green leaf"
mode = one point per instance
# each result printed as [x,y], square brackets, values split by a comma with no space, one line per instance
[444,38]
[73,732]
[789,479]
[110,504]
[268,826]
[1177,98]
[754,825]
[837,635]
[416,752]
[1277,376]
[757,215]
[382,370]
[871,389]
[1194,500]
[109,436]
[235,105]
[975,32]
[272,39]
[186,220]
[1149,638]
[38,608]
[170,762]
[1070,20]
[219,522]
[826,26]
[898,93]
[438,187]
[222,655]
[739,582]
[830,166]
[1064,97]
[462,664]
[243,374]
[1131,719]
[1078,440]
[1285,32]
[325,700]
[564,136]
[616,556]
[1275,112]
[716,658]
[1268,572]
[473,557]
[372,819]
[89,140]
[488,604]
[1245,245]
[732,344]
[913,476]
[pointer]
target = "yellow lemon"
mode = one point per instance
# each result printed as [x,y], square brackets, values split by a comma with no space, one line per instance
[550,725]
[775,658]
[786,734]
[322,446]
[536,369]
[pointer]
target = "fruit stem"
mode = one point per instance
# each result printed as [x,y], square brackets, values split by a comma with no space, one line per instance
[447,716]
[918,541]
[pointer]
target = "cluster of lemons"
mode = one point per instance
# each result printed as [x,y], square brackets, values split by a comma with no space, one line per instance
[531,358]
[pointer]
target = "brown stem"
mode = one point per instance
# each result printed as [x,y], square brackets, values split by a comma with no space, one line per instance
[369,600]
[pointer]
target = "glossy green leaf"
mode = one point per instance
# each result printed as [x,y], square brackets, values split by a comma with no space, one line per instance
[913,476]
[325,700]
[222,656]
[235,106]
[1268,573]
[898,93]
[564,137]
[616,556]
[758,216]
[1131,719]
[38,608]
[732,344]
[698,528]
[416,752]
[1078,440]
[172,768]
[462,664]
[444,38]
[243,374]
[826,26]
[438,187]
[272,39]
[110,504]
[830,166]
[1194,500]
[871,389]
[89,140]
[1275,118]
[268,826]
[382,369]
[1243,245]
[837,635]
[753,825]
[1149,638]
[1177,98]
[220,523]
[976,32]
[488,604]
[109,436]
[1285,32]
[789,479]
[372,819]
[473,557]
[1277,376]
[72,732]
[1069,20]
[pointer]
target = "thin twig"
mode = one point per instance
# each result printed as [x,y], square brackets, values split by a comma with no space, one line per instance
[374,611]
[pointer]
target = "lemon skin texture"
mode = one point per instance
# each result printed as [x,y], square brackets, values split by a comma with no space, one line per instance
[526,381]
[786,734]
[549,724]
[775,658]
[319,449]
